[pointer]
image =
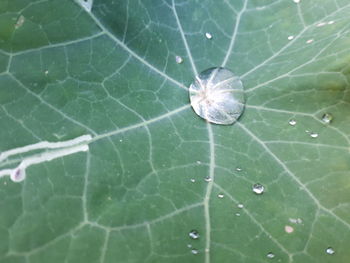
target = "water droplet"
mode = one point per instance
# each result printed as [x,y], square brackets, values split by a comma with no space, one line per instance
[207,179]
[240,205]
[217,96]
[189,245]
[18,175]
[221,195]
[238,214]
[289,229]
[178,59]
[313,134]
[20,21]
[330,22]
[258,189]
[238,169]
[46,72]
[309,41]
[194,251]
[270,255]
[330,251]
[321,24]
[208,35]
[290,37]
[296,1]
[193,234]
[327,118]
[86,4]
[198,162]
[193,180]
[292,122]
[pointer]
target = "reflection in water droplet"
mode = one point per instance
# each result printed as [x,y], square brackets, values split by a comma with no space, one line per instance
[217,96]
[193,180]
[240,205]
[193,234]
[238,214]
[330,22]
[207,179]
[258,189]
[330,251]
[208,35]
[290,37]
[220,195]
[327,118]
[270,255]
[313,134]
[194,251]
[292,122]
[238,169]
[178,59]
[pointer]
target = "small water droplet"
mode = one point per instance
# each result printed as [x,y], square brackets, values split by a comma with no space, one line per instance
[309,41]
[296,1]
[194,251]
[238,214]
[86,4]
[189,245]
[327,118]
[46,72]
[330,22]
[208,35]
[321,24]
[193,234]
[313,134]
[18,175]
[207,179]
[240,205]
[292,122]
[238,169]
[258,189]
[217,96]
[193,180]
[178,59]
[289,229]
[221,195]
[198,162]
[330,251]
[270,255]
[290,37]
[20,21]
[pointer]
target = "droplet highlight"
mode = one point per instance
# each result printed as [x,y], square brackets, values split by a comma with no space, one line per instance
[313,134]
[327,118]
[207,179]
[193,234]
[194,251]
[292,122]
[270,255]
[217,96]
[240,205]
[208,35]
[330,251]
[221,196]
[258,189]
[290,37]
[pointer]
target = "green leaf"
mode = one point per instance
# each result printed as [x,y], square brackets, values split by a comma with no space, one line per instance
[111,73]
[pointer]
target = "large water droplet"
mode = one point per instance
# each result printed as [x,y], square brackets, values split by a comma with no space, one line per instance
[217,96]
[327,118]
[258,189]
[270,255]
[193,234]
[330,251]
